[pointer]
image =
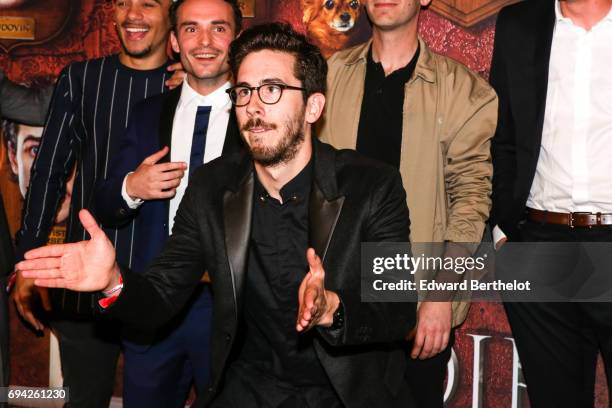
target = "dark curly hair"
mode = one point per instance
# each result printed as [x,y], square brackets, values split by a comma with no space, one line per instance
[310,67]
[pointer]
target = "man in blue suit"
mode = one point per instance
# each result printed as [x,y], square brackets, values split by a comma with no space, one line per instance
[168,137]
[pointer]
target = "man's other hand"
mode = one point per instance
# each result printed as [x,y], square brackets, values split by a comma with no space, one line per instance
[177,76]
[432,330]
[316,305]
[152,181]
[27,297]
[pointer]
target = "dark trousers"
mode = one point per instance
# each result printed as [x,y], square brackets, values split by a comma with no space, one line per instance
[160,374]
[558,342]
[426,377]
[88,351]
[247,387]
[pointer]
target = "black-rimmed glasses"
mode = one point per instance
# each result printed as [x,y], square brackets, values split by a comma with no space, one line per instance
[269,94]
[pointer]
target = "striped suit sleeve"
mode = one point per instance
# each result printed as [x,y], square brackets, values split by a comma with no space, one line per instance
[55,159]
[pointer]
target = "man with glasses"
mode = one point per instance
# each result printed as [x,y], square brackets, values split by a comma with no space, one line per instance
[168,137]
[279,231]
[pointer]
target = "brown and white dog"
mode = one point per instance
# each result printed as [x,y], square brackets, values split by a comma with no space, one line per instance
[329,21]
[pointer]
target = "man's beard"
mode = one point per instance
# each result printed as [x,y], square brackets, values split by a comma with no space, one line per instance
[286,149]
[145,52]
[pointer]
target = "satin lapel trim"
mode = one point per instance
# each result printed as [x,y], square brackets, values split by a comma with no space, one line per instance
[237,214]
[323,217]
[233,139]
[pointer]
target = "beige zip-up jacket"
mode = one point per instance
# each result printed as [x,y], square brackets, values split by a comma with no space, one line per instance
[450,115]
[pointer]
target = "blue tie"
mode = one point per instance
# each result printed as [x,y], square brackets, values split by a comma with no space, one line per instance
[199,139]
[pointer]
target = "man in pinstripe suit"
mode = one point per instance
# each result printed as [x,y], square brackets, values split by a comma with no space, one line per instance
[89,113]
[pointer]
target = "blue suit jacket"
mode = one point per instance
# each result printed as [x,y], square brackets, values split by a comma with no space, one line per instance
[149,130]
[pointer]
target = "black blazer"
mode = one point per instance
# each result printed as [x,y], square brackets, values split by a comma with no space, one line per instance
[353,200]
[149,130]
[519,75]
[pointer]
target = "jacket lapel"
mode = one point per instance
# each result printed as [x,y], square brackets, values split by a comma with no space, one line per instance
[166,120]
[237,214]
[233,140]
[164,133]
[325,203]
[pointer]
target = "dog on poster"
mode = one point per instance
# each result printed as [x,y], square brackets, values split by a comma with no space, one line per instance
[328,22]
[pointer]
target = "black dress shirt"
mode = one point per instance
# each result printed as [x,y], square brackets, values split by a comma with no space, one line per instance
[276,267]
[380,122]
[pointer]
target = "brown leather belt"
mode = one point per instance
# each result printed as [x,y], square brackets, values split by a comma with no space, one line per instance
[575,219]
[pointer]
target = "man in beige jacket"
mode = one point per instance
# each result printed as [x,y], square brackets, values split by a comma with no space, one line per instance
[395,100]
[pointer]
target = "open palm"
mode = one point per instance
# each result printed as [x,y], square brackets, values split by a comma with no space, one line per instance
[84,266]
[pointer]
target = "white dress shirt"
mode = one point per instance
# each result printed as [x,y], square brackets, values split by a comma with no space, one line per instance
[574,169]
[182,135]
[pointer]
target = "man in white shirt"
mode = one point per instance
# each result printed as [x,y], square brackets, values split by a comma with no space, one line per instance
[551,182]
[168,137]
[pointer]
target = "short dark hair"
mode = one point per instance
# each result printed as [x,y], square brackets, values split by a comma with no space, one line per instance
[235,8]
[9,133]
[310,67]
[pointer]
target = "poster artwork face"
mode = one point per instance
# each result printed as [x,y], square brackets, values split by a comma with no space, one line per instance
[23,142]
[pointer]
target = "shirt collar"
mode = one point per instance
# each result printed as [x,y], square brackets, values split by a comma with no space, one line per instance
[558,15]
[217,98]
[296,189]
[404,72]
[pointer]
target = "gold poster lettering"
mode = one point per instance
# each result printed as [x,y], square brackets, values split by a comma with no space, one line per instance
[17,28]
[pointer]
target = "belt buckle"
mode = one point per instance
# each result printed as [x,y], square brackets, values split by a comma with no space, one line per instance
[571,223]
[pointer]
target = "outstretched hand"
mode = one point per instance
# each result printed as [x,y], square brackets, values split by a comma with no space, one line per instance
[316,305]
[85,266]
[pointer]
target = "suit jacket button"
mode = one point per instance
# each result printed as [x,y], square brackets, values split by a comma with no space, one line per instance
[122,211]
[228,337]
[211,389]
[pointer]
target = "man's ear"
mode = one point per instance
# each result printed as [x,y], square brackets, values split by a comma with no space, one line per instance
[174,42]
[314,107]
[12,156]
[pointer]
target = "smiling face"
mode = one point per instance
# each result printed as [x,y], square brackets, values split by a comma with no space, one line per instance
[391,14]
[142,26]
[204,29]
[274,133]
